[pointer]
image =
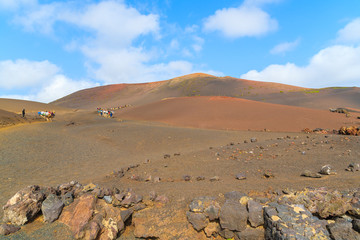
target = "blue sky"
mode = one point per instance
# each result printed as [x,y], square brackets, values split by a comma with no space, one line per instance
[49,49]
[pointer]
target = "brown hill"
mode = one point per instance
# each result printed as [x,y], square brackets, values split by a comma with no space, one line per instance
[189,85]
[234,114]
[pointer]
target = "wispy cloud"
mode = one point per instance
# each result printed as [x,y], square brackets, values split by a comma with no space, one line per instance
[284,47]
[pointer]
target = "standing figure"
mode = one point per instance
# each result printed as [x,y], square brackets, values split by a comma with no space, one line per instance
[23,113]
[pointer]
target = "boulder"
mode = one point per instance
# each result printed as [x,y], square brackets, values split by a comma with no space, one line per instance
[24,205]
[51,208]
[342,229]
[233,216]
[197,220]
[78,214]
[356,225]
[256,214]
[207,205]
[67,198]
[310,174]
[353,167]
[327,170]
[6,229]
[292,222]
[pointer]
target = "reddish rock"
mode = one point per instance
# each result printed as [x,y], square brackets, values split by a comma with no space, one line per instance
[6,229]
[79,213]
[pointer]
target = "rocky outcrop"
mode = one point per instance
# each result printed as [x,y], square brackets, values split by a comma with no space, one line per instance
[352,130]
[101,213]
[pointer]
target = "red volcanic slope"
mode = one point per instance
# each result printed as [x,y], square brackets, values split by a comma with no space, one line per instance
[234,114]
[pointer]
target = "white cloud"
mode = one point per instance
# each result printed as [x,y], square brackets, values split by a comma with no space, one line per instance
[23,73]
[333,66]
[41,80]
[16,4]
[285,47]
[350,33]
[246,20]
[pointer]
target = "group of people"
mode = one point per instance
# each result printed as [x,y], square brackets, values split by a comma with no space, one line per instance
[47,115]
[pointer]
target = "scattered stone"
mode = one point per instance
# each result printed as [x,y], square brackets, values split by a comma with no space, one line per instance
[135,177]
[342,229]
[240,176]
[233,216]
[98,192]
[139,206]
[108,199]
[197,220]
[326,170]
[303,153]
[353,167]
[130,199]
[176,154]
[215,178]
[148,178]
[157,179]
[24,205]
[167,156]
[310,174]
[245,141]
[200,178]
[186,178]
[256,215]
[234,195]
[268,174]
[51,208]
[253,140]
[147,161]
[6,229]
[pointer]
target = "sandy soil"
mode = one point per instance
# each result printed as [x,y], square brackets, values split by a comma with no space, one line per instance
[235,114]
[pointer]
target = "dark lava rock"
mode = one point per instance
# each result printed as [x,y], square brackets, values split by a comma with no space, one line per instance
[130,199]
[250,234]
[268,174]
[233,216]
[342,229]
[253,140]
[67,198]
[51,208]
[356,225]
[186,178]
[24,205]
[6,229]
[206,205]
[98,192]
[197,220]
[310,174]
[240,176]
[256,214]
[292,222]
[200,178]
[353,167]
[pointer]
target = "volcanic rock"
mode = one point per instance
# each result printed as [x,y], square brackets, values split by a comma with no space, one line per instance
[250,234]
[342,229]
[67,198]
[197,220]
[24,205]
[212,229]
[51,208]
[310,174]
[233,216]
[240,176]
[256,215]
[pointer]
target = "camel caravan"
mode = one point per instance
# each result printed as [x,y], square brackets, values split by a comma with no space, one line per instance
[109,112]
[48,116]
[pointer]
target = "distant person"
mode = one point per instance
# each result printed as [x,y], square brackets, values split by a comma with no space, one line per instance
[23,112]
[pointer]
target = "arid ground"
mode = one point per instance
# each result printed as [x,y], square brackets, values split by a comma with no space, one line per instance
[170,134]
